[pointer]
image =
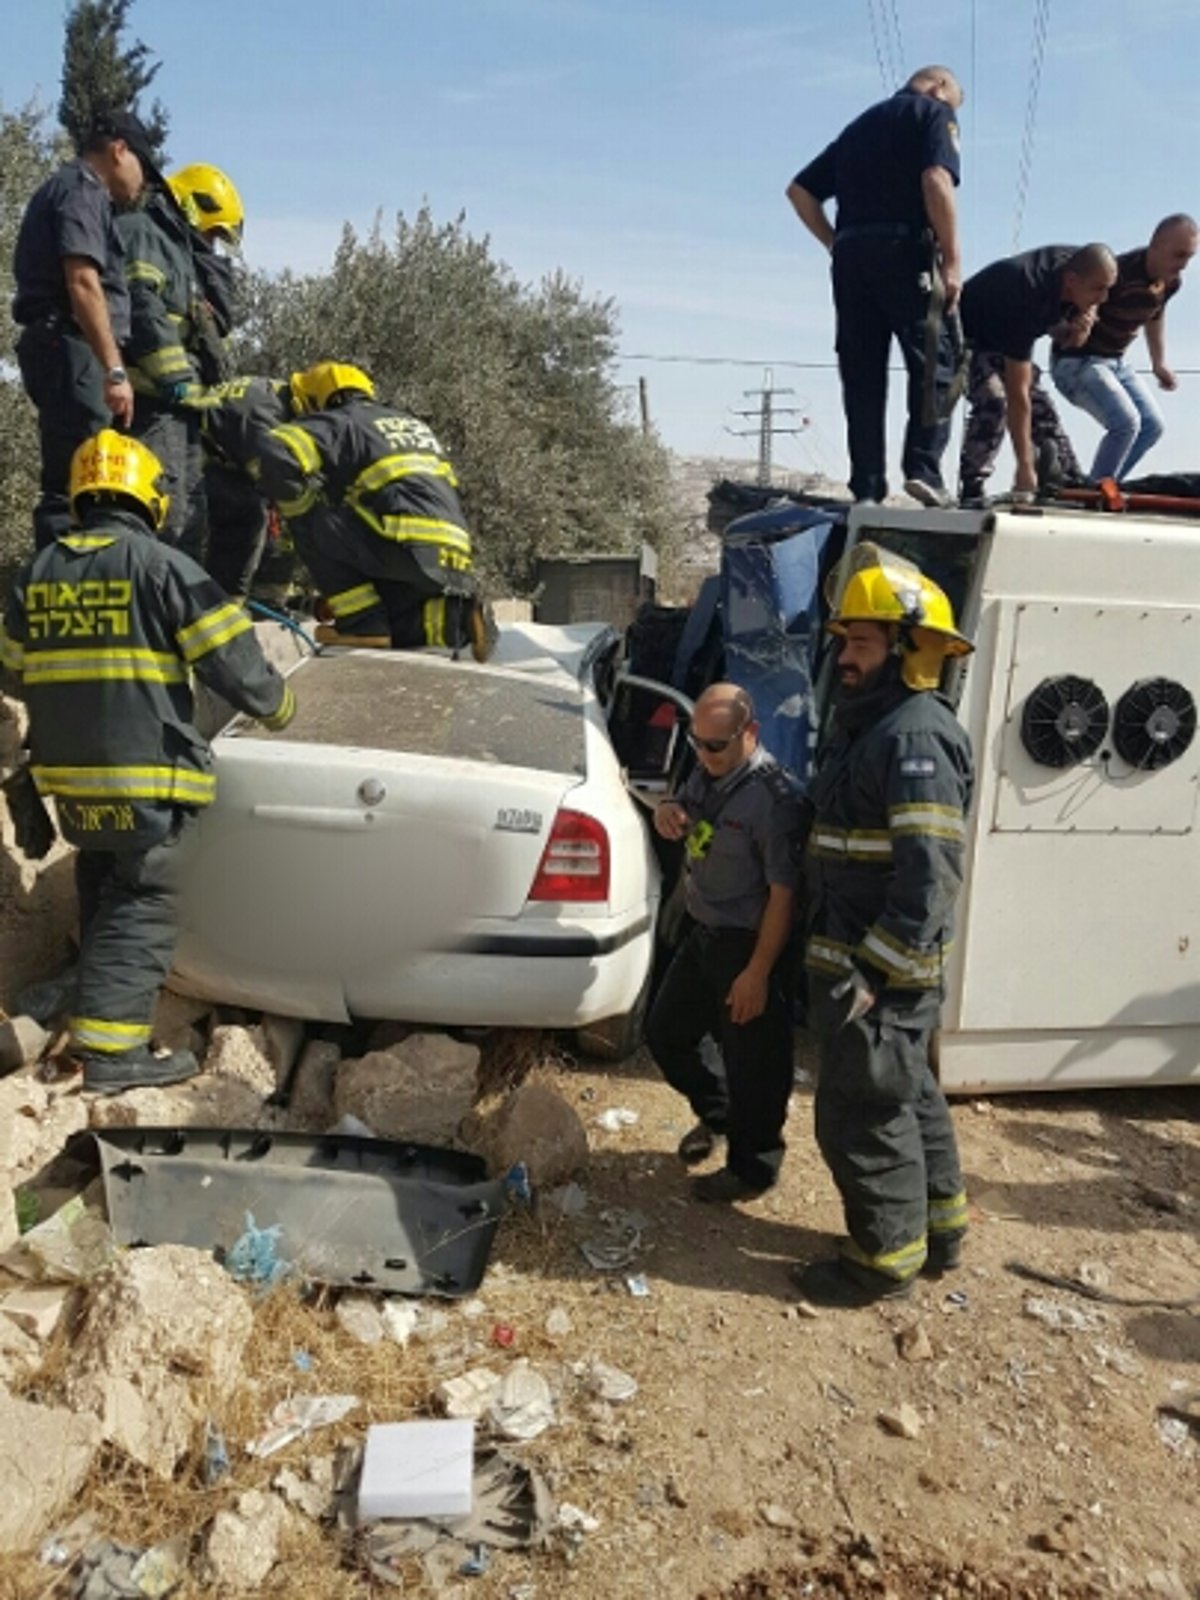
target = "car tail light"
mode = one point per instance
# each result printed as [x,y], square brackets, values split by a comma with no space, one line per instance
[574,864]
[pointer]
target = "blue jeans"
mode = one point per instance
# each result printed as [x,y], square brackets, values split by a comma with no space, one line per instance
[1109,390]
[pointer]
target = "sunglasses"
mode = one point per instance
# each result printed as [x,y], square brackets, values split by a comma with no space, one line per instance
[714,746]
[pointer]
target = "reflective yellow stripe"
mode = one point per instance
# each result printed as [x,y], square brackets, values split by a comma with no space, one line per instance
[78,666]
[417,530]
[349,602]
[828,955]
[300,445]
[905,963]
[215,627]
[903,1263]
[283,713]
[853,844]
[302,503]
[166,362]
[96,1033]
[938,822]
[182,784]
[145,272]
[948,1216]
[433,616]
[12,653]
[87,541]
[390,469]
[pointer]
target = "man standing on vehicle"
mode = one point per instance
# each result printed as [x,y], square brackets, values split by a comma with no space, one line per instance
[1096,376]
[372,503]
[729,979]
[897,271]
[73,304]
[1006,308]
[103,631]
[884,866]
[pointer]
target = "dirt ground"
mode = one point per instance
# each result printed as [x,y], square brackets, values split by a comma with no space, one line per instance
[752,1462]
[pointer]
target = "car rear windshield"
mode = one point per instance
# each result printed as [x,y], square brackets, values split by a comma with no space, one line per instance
[433,709]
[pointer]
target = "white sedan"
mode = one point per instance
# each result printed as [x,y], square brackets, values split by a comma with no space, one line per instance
[438,841]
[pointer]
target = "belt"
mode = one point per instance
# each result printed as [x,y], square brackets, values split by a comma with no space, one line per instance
[880,230]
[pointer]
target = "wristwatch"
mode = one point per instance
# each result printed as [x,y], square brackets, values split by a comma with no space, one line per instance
[116,375]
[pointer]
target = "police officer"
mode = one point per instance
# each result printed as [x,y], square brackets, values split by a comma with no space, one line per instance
[103,631]
[896,271]
[884,866]
[235,420]
[73,305]
[729,980]
[373,507]
[1006,308]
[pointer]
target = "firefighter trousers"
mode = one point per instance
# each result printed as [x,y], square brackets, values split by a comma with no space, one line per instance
[884,1128]
[65,382]
[986,418]
[385,586]
[236,518]
[175,439]
[128,926]
[742,1088]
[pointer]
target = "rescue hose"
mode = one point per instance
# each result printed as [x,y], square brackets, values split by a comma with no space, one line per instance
[285,621]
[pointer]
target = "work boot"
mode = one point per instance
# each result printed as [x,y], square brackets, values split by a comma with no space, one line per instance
[971,494]
[52,998]
[928,494]
[482,629]
[841,1284]
[724,1187]
[697,1144]
[945,1254]
[137,1069]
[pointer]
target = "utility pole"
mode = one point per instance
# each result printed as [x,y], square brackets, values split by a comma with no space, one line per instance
[766,412]
[644,406]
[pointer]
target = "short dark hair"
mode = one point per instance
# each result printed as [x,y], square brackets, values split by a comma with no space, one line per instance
[1091,258]
[1177,219]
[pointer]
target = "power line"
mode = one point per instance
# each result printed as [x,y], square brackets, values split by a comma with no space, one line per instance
[883,77]
[793,366]
[1041,26]
[899,38]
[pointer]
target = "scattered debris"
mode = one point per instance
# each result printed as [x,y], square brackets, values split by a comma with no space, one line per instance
[360,1317]
[615,1118]
[1065,1538]
[1062,1318]
[777,1516]
[608,1383]
[37,1310]
[303,1413]
[517,1184]
[45,1454]
[417,1469]
[216,1454]
[574,1519]
[400,1319]
[22,1041]
[73,1244]
[618,1244]
[1122,1361]
[904,1422]
[638,1286]
[313,1491]
[469,1394]
[569,1199]
[504,1335]
[524,1406]
[243,1544]
[254,1255]
[558,1323]
[913,1343]
[1095,1274]
[107,1570]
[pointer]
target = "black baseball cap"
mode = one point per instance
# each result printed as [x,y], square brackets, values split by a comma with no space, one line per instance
[124,125]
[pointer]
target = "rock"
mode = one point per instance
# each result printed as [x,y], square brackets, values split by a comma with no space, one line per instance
[470,1393]
[777,1516]
[537,1126]
[283,1040]
[420,1089]
[311,1104]
[202,1102]
[243,1545]
[45,1454]
[558,1323]
[1062,1318]
[39,1118]
[524,1407]
[38,1309]
[1065,1538]
[241,1053]
[162,1338]
[312,1494]
[19,1354]
[913,1343]
[180,1023]
[22,1041]
[10,1230]
[73,1243]
[904,1422]
[359,1316]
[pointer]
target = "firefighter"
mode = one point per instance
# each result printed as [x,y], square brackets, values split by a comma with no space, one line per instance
[373,507]
[175,349]
[236,419]
[73,303]
[884,866]
[103,631]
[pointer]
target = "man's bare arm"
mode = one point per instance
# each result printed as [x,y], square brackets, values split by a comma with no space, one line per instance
[1156,340]
[811,213]
[937,187]
[747,997]
[90,310]
[1018,390]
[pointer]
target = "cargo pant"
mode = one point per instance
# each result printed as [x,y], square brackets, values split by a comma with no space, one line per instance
[884,1128]
[741,1089]
[65,382]
[175,439]
[987,415]
[384,586]
[128,926]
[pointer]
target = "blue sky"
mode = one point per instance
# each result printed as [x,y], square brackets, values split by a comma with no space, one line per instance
[644,148]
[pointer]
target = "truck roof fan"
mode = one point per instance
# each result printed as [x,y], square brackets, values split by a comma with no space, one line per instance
[1064,721]
[1154,722]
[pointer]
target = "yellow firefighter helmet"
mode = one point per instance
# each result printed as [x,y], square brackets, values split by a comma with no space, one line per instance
[876,585]
[314,389]
[210,199]
[113,463]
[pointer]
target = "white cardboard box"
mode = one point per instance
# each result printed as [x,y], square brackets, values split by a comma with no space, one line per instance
[417,1469]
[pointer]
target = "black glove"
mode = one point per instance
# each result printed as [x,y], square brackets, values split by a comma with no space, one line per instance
[33,826]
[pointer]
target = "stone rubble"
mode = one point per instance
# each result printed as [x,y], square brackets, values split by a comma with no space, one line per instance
[420,1089]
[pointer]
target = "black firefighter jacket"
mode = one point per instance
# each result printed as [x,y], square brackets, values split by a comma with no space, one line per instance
[885,850]
[386,467]
[237,416]
[163,288]
[103,631]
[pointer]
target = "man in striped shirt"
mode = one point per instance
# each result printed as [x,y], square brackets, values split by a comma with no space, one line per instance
[1099,379]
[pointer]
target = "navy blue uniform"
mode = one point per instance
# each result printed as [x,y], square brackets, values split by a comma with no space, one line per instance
[882,282]
[70,215]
